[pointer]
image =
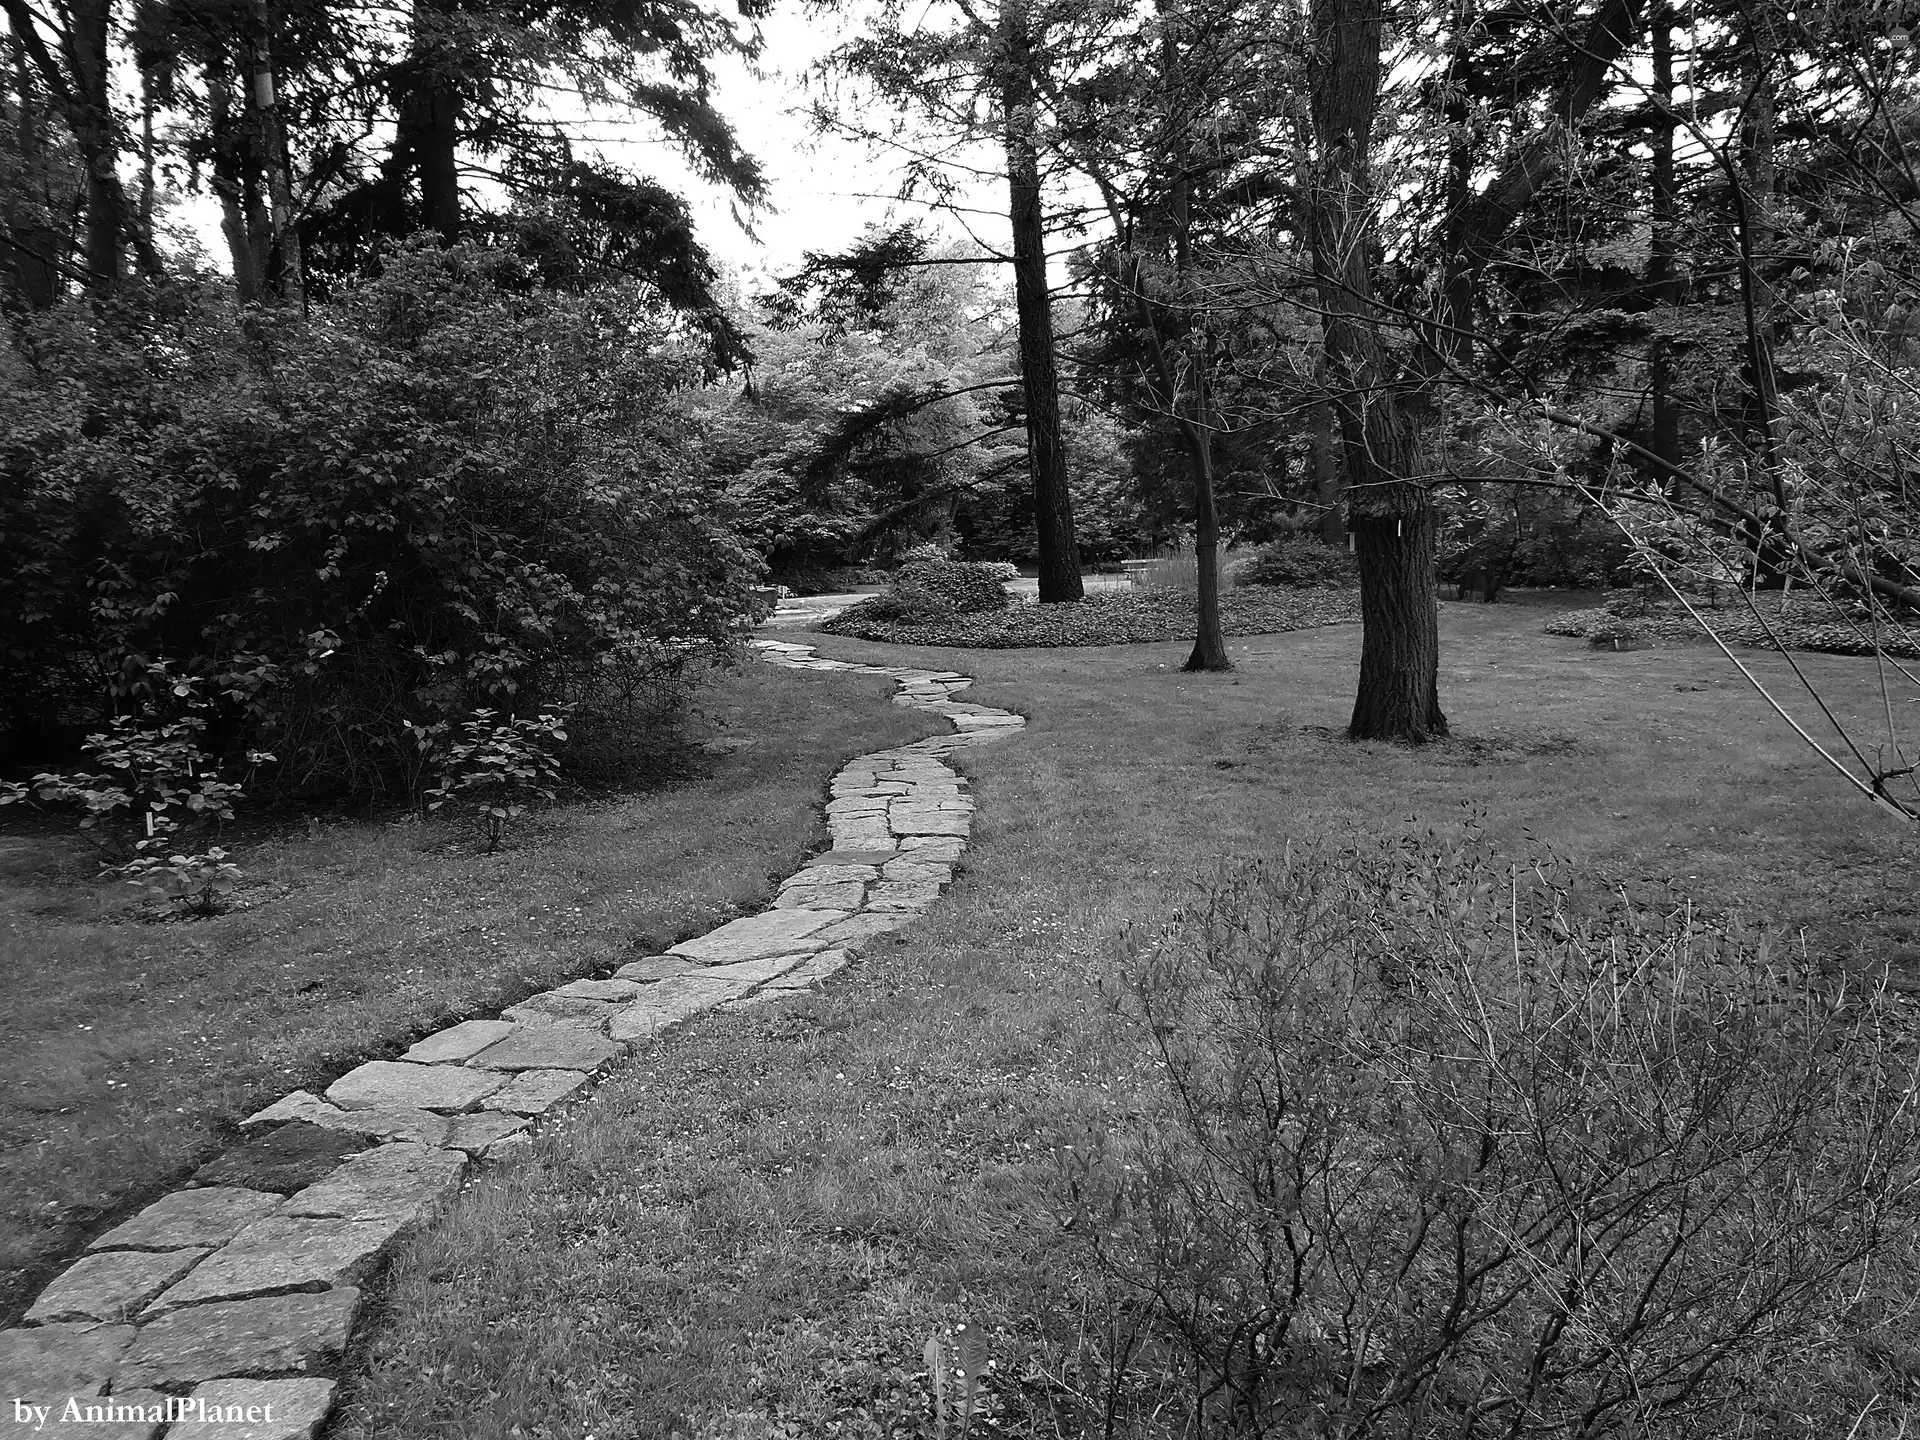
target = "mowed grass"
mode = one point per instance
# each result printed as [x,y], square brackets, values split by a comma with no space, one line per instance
[755,1226]
[128,1049]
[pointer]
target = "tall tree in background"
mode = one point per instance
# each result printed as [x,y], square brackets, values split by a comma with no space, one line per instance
[1390,510]
[1059,568]
[977,81]
[1171,131]
[70,55]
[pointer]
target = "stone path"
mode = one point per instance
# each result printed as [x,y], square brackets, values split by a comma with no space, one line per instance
[223,1309]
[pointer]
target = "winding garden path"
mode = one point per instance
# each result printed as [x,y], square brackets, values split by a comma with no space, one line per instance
[221,1311]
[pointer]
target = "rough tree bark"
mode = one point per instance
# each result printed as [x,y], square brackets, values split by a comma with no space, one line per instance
[33,250]
[91,117]
[289,273]
[427,134]
[1390,510]
[1046,452]
[1663,276]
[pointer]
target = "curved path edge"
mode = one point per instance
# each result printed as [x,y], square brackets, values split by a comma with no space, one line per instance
[224,1308]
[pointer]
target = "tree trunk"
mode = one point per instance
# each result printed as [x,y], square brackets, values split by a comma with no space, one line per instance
[1332,524]
[1209,644]
[1753,195]
[230,185]
[1662,272]
[284,264]
[89,54]
[1324,464]
[33,256]
[1046,453]
[1390,512]
[428,129]
[1399,694]
[1209,641]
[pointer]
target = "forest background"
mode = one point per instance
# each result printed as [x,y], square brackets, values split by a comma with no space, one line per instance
[467,422]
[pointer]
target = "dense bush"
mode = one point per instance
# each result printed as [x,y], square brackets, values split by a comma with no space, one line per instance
[1439,1146]
[1299,562]
[1526,535]
[928,587]
[445,490]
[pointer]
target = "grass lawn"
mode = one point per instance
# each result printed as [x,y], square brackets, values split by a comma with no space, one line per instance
[754,1229]
[128,1049]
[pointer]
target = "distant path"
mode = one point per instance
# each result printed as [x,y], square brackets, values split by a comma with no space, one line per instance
[243,1289]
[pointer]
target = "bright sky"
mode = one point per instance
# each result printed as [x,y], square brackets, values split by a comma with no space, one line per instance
[824,191]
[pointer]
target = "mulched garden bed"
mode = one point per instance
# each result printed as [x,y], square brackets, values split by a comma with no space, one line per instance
[1112,618]
[1801,622]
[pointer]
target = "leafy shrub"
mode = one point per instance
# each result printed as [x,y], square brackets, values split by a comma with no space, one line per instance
[929,586]
[1299,562]
[1526,535]
[156,785]
[497,768]
[445,490]
[197,884]
[1440,1146]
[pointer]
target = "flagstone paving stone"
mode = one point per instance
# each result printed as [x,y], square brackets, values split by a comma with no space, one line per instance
[279,1253]
[419,1087]
[379,1122]
[844,898]
[656,967]
[187,1218]
[281,1160]
[672,1001]
[395,1182]
[548,1008]
[297,1408]
[123,1415]
[273,1335]
[534,1092]
[47,1362]
[771,932]
[112,1285]
[479,1133]
[608,990]
[246,1285]
[548,1047]
[458,1042]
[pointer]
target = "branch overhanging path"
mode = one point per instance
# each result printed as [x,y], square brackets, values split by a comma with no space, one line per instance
[244,1287]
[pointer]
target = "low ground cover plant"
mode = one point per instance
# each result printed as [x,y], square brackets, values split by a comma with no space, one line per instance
[1448,1145]
[1799,621]
[1104,618]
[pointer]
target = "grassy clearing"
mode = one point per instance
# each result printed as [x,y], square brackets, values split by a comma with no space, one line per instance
[128,1049]
[757,1225]
[1115,617]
